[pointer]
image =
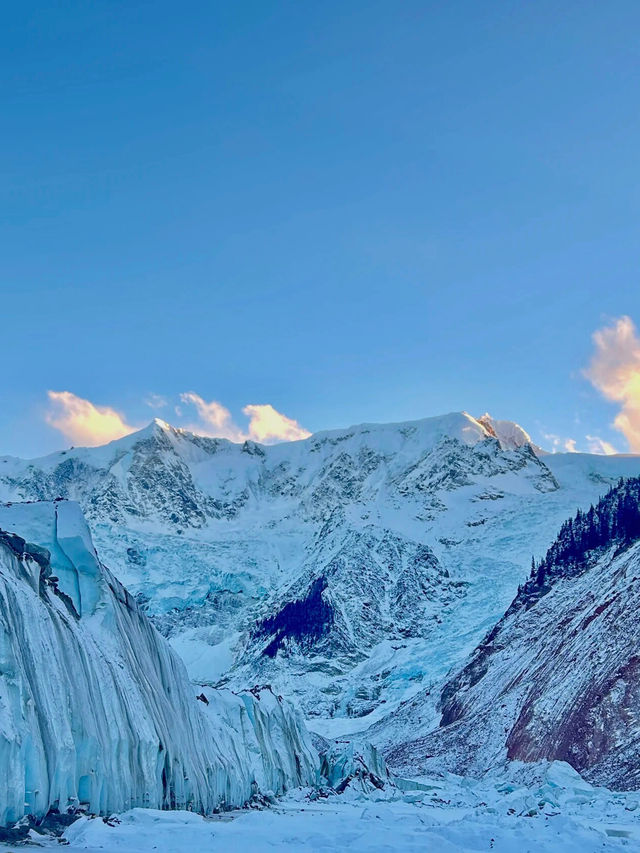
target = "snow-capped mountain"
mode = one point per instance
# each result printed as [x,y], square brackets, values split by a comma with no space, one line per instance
[558,676]
[400,543]
[97,709]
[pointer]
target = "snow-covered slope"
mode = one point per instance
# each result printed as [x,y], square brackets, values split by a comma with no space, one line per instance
[559,675]
[96,708]
[400,543]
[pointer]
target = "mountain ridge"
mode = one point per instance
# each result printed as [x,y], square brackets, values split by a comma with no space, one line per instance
[158,426]
[421,532]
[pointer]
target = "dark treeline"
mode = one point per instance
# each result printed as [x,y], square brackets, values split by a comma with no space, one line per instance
[614,520]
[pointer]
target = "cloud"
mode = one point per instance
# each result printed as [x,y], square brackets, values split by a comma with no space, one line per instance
[156,401]
[82,422]
[595,444]
[85,424]
[615,372]
[599,445]
[559,444]
[215,419]
[266,424]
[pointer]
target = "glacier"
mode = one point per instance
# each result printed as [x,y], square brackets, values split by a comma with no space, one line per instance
[356,571]
[96,709]
[408,539]
[545,808]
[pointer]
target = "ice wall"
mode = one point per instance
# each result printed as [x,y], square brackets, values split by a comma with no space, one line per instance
[96,708]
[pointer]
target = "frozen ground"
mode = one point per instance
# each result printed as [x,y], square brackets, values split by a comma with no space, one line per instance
[559,812]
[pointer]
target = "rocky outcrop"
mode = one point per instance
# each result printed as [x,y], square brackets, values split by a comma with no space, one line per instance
[559,675]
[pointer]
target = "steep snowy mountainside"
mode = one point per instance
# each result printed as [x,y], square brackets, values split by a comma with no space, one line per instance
[405,541]
[558,677]
[96,708]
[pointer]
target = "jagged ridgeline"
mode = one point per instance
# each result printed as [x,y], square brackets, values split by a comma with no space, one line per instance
[614,520]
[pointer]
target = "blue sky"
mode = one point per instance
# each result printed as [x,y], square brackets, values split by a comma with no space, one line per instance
[347,211]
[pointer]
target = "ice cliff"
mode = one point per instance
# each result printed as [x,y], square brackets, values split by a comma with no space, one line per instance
[96,708]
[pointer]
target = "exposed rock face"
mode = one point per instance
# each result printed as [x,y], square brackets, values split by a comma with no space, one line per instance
[96,708]
[303,621]
[559,675]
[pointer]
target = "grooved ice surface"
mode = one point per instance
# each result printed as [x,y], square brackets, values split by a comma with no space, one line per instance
[95,706]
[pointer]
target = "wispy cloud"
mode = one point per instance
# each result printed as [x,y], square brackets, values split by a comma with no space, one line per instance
[615,372]
[213,418]
[591,444]
[82,422]
[599,445]
[559,444]
[266,424]
[156,401]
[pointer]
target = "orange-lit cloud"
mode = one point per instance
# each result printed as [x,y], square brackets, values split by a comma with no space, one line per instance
[82,422]
[599,445]
[87,425]
[266,424]
[615,372]
[214,419]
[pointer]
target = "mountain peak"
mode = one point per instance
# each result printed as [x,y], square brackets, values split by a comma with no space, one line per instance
[510,434]
[156,427]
